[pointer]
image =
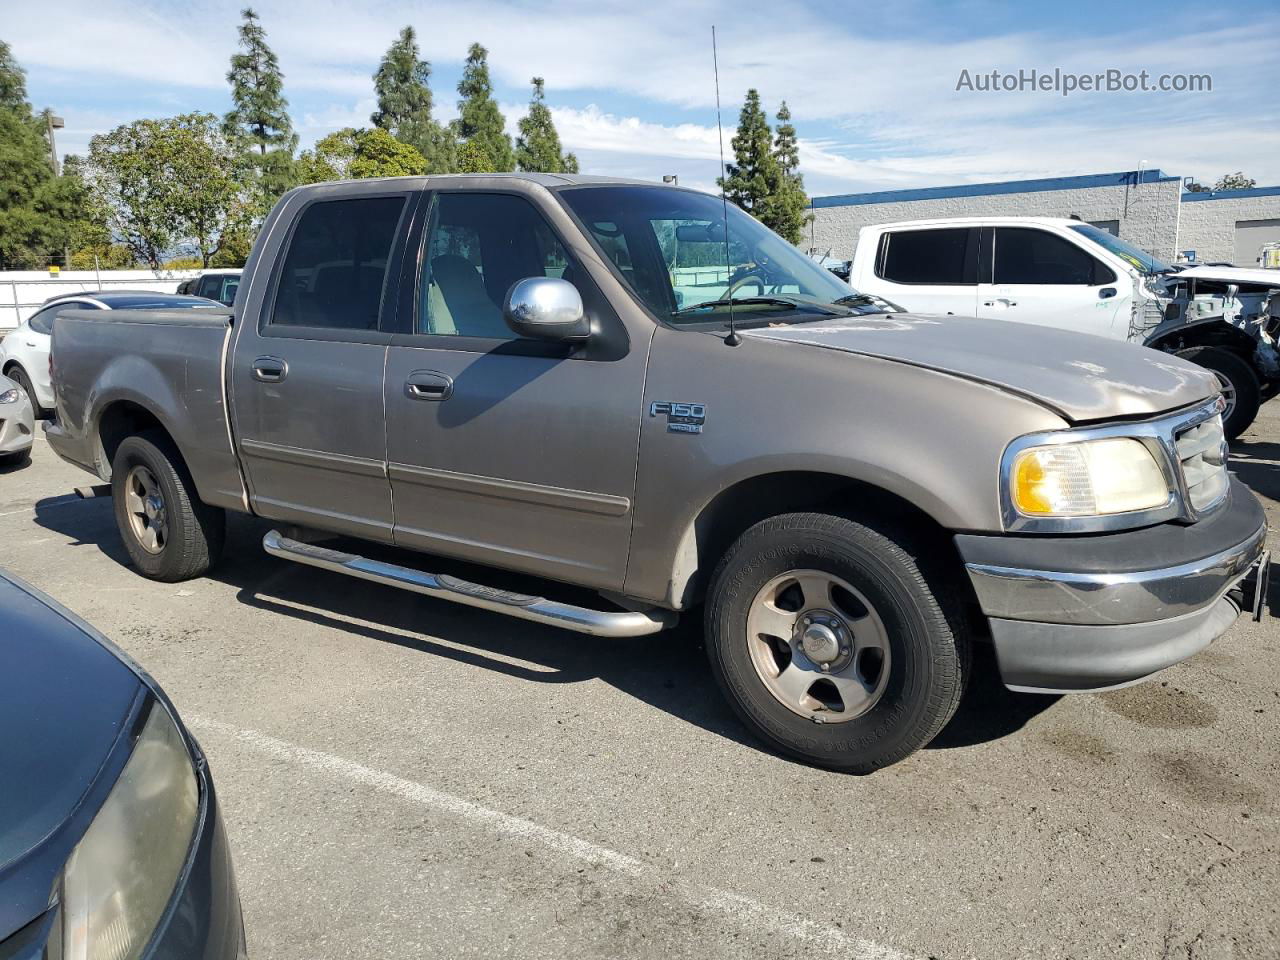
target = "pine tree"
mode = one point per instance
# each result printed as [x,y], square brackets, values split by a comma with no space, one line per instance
[788,210]
[538,146]
[480,124]
[259,121]
[405,103]
[754,176]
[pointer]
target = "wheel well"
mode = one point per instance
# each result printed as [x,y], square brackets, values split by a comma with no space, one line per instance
[1214,334]
[10,366]
[122,419]
[746,503]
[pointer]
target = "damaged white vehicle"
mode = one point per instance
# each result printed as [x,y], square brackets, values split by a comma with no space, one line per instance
[1065,273]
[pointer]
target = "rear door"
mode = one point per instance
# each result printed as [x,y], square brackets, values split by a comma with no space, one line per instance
[1042,278]
[507,451]
[929,270]
[307,369]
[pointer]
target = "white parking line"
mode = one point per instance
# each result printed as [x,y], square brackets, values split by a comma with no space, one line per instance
[46,504]
[749,912]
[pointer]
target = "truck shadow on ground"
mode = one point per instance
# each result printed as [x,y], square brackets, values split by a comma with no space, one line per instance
[667,670]
[1258,466]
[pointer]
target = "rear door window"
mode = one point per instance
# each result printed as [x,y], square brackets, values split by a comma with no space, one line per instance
[42,321]
[943,257]
[1030,256]
[335,270]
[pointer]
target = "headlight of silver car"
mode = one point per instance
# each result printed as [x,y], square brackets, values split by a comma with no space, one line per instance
[1064,485]
[9,396]
[119,878]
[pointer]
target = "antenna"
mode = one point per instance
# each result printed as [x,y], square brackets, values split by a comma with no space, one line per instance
[733,339]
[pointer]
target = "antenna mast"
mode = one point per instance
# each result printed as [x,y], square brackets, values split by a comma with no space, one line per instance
[733,339]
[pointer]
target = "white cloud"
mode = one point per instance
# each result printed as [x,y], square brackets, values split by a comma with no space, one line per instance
[877,105]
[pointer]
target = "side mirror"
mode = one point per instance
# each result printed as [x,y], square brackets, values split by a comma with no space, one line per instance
[547,308]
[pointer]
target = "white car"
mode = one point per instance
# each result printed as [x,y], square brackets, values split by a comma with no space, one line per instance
[24,352]
[17,423]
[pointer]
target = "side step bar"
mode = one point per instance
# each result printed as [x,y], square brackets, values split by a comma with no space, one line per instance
[598,623]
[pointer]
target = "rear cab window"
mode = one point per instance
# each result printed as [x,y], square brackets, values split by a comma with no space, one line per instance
[334,273]
[946,256]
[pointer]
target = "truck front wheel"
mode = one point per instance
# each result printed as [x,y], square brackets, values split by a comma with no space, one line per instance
[831,644]
[169,532]
[1239,384]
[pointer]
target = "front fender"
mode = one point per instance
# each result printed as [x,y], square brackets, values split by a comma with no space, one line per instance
[932,439]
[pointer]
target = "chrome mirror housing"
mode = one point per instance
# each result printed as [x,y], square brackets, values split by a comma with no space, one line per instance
[547,308]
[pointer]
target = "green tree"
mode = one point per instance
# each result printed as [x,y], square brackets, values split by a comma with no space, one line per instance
[402,84]
[13,81]
[1235,181]
[787,211]
[259,120]
[168,183]
[480,122]
[754,177]
[538,145]
[351,154]
[37,208]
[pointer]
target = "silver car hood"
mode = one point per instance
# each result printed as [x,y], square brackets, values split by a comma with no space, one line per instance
[1082,377]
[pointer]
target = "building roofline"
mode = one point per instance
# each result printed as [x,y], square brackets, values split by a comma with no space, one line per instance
[1120,179]
[1231,194]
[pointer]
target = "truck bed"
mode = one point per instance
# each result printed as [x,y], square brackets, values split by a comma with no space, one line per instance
[126,365]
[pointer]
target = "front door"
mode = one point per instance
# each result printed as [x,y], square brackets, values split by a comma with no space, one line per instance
[501,450]
[1042,278]
[307,375]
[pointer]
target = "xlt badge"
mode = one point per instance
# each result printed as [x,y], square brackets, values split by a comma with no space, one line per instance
[681,417]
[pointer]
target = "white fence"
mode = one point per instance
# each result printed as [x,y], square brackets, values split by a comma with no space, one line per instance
[23,291]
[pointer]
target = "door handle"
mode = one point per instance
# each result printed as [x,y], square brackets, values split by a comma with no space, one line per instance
[428,385]
[1106,293]
[1000,303]
[270,369]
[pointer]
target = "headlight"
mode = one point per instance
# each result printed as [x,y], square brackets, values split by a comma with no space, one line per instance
[1089,478]
[9,396]
[119,879]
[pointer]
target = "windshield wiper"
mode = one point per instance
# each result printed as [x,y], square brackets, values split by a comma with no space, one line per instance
[792,303]
[858,299]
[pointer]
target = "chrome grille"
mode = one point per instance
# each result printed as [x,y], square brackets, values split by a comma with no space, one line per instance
[1202,453]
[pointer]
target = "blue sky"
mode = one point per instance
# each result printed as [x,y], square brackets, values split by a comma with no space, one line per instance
[872,87]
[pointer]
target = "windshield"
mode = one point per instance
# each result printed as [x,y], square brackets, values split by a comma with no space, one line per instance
[1141,260]
[670,246]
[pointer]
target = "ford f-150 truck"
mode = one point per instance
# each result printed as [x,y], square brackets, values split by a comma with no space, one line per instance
[626,387]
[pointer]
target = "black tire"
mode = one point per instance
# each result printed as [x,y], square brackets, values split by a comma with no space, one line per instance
[196,531]
[929,649]
[19,376]
[1237,372]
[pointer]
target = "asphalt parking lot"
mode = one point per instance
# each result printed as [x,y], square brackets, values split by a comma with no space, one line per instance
[406,778]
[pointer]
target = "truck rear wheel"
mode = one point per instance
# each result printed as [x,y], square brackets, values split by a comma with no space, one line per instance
[1240,386]
[830,643]
[169,532]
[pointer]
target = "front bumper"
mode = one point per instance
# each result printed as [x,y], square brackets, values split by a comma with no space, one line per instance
[17,426]
[1091,613]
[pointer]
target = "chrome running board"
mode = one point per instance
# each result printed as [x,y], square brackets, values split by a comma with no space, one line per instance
[598,623]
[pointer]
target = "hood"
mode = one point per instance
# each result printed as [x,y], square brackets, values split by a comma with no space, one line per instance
[1079,376]
[1250,275]
[64,699]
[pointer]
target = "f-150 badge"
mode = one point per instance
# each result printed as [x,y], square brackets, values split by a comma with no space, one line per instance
[681,417]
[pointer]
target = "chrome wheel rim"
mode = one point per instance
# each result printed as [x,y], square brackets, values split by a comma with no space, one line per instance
[818,646]
[144,503]
[1228,390]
